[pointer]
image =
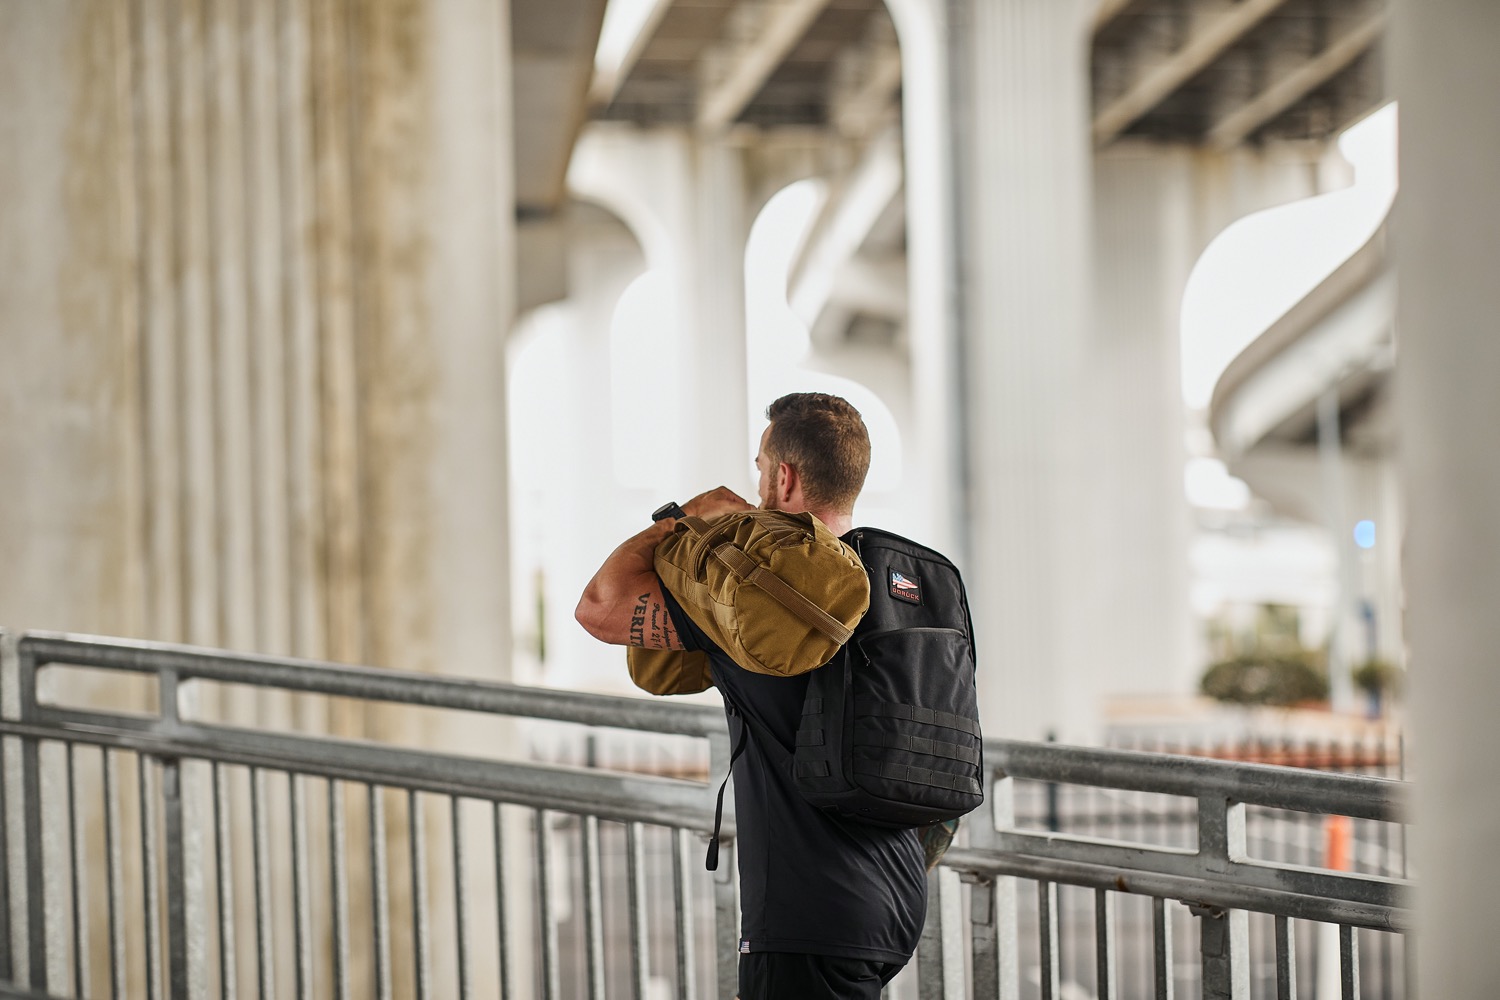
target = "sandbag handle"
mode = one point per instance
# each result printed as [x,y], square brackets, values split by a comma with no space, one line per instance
[815,617]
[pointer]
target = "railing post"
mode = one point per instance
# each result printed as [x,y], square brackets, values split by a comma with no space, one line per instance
[31,817]
[982,938]
[1002,938]
[940,960]
[1225,934]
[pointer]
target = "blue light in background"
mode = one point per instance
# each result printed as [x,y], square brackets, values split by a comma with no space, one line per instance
[1364,534]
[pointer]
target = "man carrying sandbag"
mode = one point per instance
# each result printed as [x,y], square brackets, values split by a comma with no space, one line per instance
[830,908]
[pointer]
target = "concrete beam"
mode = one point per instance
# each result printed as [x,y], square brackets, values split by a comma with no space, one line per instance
[846,221]
[1204,46]
[862,107]
[751,64]
[1291,88]
[1108,10]
[608,78]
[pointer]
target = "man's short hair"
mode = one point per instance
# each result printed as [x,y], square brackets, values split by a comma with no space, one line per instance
[825,439]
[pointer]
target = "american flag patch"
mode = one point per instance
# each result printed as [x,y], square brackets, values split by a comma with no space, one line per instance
[906,588]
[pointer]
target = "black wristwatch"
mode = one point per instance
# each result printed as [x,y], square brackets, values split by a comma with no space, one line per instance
[668,509]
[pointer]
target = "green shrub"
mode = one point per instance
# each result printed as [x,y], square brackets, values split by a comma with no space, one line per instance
[1379,677]
[1267,679]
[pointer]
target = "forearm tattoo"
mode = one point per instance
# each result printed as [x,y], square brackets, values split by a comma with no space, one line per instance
[638,621]
[651,625]
[662,634]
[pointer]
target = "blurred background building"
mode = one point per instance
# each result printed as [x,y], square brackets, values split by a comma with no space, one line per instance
[363,330]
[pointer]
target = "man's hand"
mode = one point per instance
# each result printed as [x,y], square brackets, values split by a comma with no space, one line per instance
[721,500]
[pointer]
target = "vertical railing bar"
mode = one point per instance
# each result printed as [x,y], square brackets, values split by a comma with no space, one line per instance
[1348,962]
[635,856]
[379,895]
[593,907]
[36,900]
[1286,960]
[301,903]
[76,864]
[1161,934]
[112,874]
[264,942]
[7,965]
[550,978]
[1047,920]
[177,923]
[461,924]
[339,879]
[1104,935]
[501,931]
[415,830]
[682,894]
[223,873]
[149,878]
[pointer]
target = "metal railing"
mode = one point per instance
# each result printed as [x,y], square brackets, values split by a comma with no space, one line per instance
[185,848]
[1219,879]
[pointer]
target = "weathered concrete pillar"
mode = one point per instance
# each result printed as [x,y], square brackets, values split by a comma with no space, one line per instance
[1025,199]
[256,287]
[1447,237]
[254,331]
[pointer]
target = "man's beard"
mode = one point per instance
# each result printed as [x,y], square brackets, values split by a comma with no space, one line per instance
[768,502]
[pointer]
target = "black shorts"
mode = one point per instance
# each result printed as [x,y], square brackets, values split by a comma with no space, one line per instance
[778,975]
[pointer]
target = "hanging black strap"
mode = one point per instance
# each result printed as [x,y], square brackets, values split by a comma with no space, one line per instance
[711,862]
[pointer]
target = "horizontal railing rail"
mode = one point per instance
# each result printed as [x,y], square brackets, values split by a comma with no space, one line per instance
[231,825]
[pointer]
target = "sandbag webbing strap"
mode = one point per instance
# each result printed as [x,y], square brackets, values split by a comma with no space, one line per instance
[700,529]
[915,744]
[746,569]
[911,713]
[813,769]
[917,776]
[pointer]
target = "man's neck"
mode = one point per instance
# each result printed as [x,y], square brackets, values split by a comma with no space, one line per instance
[837,523]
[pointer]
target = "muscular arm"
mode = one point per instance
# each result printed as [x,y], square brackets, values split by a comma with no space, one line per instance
[623,604]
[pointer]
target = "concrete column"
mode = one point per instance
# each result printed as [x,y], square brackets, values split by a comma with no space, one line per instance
[934,452]
[253,328]
[1135,612]
[253,303]
[718,414]
[1025,198]
[1447,238]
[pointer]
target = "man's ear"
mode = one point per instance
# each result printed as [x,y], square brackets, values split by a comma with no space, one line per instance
[787,483]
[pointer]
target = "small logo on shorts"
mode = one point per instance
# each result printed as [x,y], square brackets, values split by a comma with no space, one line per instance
[906,588]
[744,946]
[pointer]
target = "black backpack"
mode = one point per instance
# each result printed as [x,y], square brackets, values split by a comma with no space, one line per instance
[890,726]
[889,733]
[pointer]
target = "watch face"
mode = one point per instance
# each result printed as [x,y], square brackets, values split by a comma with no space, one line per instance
[668,509]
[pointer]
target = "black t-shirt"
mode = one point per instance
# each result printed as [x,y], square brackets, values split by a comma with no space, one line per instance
[809,882]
